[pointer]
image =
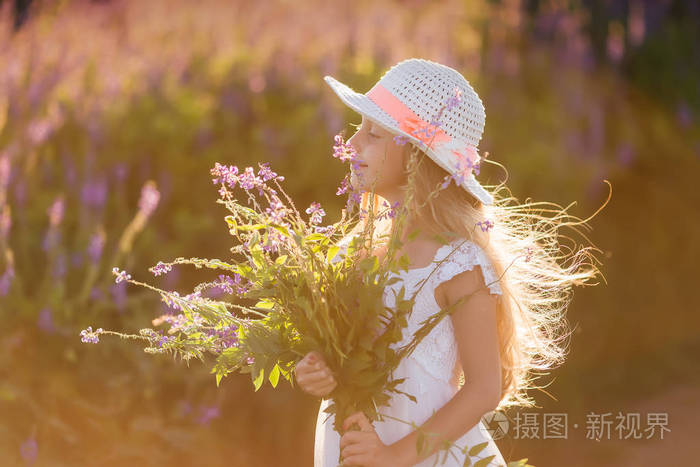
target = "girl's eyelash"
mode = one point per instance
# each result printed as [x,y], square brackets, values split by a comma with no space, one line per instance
[370,133]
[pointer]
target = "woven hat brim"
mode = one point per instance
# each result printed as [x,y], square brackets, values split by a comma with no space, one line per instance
[364,105]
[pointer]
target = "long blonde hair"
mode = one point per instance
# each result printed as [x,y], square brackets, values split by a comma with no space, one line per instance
[532,326]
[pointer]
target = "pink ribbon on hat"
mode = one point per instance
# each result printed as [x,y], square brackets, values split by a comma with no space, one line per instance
[412,124]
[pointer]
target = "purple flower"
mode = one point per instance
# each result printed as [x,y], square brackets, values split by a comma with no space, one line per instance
[316,212]
[121,275]
[45,321]
[5,169]
[59,268]
[354,198]
[391,213]
[178,323]
[171,299]
[453,101]
[227,175]
[485,226]
[121,170]
[119,295]
[446,181]
[95,293]
[327,230]
[206,414]
[461,173]
[164,341]
[276,211]
[193,296]
[51,239]
[248,180]
[149,198]
[266,174]
[401,140]
[226,337]
[56,211]
[94,193]
[21,192]
[469,165]
[460,176]
[161,268]
[76,259]
[185,407]
[6,280]
[89,336]
[342,150]
[344,186]
[28,450]
[226,284]
[97,242]
[626,154]
[38,131]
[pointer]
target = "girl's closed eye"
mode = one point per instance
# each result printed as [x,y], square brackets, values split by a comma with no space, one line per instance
[373,134]
[370,132]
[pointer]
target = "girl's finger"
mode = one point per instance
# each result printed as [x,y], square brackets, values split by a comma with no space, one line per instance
[318,366]
[365,425]
[323,383]
[308,369]
[351,437]
[326,388]
[317,377]
[357,459]
[352,450]
[354,418]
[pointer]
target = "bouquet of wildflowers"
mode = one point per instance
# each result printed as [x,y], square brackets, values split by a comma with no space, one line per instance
[294,292]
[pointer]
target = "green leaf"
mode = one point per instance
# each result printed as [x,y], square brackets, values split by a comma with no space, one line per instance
[265,304]
[282,229]
[258,380]
[332,252]
[314,237]
[412,235]
[233,226]
[274,376]
[281,259]
[520,463]
[369,265]
[218,378]
[485,461]
[477,448]
[249,227]
[421,443]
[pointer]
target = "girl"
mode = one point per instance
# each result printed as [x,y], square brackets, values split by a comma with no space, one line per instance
[511,324]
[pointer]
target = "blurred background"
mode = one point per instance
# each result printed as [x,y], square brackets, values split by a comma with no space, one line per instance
[113,112]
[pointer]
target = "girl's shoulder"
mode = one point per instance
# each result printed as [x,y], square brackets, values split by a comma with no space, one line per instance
[460,255]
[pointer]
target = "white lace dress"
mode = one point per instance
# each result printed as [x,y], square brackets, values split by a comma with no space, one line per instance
[432,370]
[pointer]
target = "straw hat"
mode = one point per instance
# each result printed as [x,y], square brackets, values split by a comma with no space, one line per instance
[407,100]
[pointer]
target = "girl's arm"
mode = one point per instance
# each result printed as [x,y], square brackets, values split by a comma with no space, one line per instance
[475,329]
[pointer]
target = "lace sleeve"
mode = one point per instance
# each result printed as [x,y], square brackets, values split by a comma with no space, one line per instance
[463,256]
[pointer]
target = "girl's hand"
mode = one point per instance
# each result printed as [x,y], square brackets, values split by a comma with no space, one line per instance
[364,448]
[314,376]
